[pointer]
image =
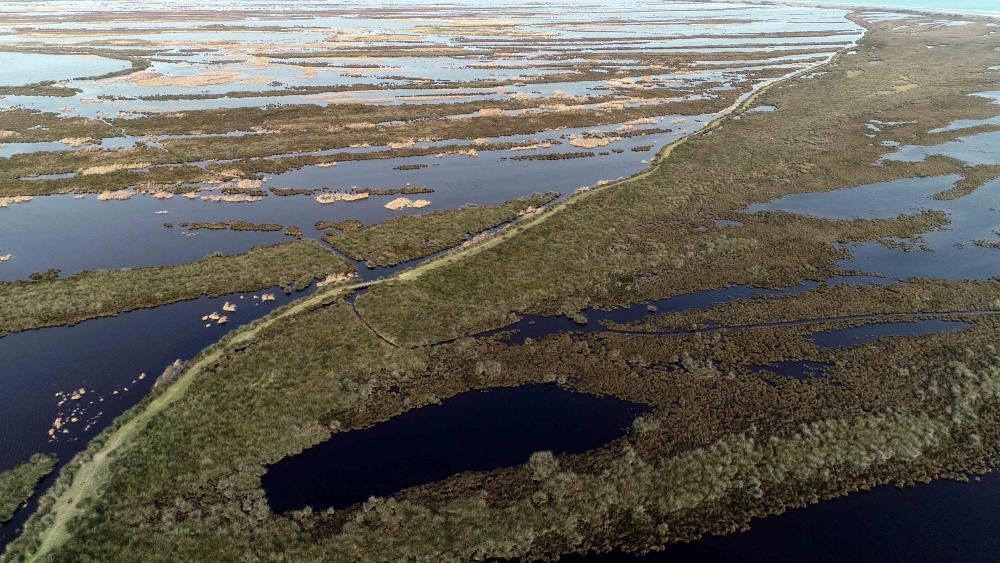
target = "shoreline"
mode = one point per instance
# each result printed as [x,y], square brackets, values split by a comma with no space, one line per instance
[858,8]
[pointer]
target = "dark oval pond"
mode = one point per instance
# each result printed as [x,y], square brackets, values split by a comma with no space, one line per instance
[473,431]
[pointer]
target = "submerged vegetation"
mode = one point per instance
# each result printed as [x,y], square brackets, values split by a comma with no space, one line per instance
[18,484]
[87,295]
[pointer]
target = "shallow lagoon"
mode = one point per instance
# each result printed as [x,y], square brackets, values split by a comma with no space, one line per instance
[20,69]
[76,234]
[948,253]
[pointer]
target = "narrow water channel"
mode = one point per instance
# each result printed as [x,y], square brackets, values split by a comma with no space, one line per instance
[106,357]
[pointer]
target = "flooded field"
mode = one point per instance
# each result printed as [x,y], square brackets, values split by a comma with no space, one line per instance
[589,276]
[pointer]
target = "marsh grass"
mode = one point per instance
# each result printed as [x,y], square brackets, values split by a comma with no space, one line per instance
[722,445]
[410,237]
[234,225]
[635,240]
[18,484]
[87,295]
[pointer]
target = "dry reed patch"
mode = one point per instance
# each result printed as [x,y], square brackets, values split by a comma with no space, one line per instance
[77,141]
[211,78]
[592,142]
[6,201]
[117,195]
[340,196]
[403,202]
[228,198]
[109,168]
[337,278]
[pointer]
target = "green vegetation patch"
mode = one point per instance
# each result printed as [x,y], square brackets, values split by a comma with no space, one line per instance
[410,237]
[235,225]
[31,126]
[347,226]
[18,484]
[87,295]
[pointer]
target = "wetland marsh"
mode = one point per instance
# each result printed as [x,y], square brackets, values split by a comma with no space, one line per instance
[448,282]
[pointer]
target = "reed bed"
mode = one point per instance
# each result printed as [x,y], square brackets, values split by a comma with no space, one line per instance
[410,237]
[18,484]
[87,295]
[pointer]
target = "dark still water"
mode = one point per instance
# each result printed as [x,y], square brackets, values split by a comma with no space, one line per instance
[858,335]
[943,521]
[106,358]
[473,431]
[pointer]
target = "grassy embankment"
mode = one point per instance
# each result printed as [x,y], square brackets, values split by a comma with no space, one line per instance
[410,237]
[87,295]
[18,484]
[179,477]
